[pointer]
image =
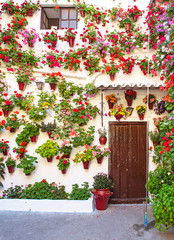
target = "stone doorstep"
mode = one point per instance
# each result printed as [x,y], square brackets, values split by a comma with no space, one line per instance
[64,206]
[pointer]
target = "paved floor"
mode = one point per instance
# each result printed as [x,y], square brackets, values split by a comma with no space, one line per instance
[116,223]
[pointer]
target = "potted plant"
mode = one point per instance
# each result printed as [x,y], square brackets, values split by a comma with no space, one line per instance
[126,22]
[10,7]
[151,100]
[134,12]
[46,100]
[63,164]
[48,127]
[50,38]
[30,36]
[111,68]
[53,79]
[119,111]
[53,59]
[28,7]
[99,153]
[65,149]
[68,89]
[10,163]
[20,151]
[111,99]
[141,111]
[102,135]
[24,102]
[102,185]
[155,137]
[72,60]
[27,163]
[129,96]
[31,130]
[7,105]
[36,113]
[23,77]
[85,157]
[69,36]
[48,150]
[18,22]
[92,64]
[4,146]
[160,107]
[12,122]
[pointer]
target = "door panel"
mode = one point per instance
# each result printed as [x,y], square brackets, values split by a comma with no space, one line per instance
[127,165]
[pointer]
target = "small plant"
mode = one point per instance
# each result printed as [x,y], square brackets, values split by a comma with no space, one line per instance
[50,38]
[18,22]
[112,67]
[36,113]
[69,33]
[13,192]
[151,98]
[10,162]
[155,136]
[78,193]
[48,127]
[63,163]
[46,100]
[13,122]
[160,107]
[97,151]
[102,181]
[31,129]
[84,156]
[48,149]
[30,36]
[111,98]
[119,109]
[90,90]
[141,109]
[130,94]
[102,132]
[53,77]
[27,163]
[24,102]
[3,145]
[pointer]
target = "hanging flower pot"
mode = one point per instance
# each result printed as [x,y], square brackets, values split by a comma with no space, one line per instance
[21,86]
[50,159]
[51,66]
[21,155]
[27,174]
[99,160]
[30,12]
[49,135]
[112,76]
[111,105]
[31,44]
[101,197]
[129,102]
[82,12]
[52,86]
[6,112]
[10,169]
[150,106]
[12,130]
[128,26]
[85,164]
[66,156]
[40,85]
[71,41]
[156,143]
[118,116]
[103,140]
[34,138]
[64,171]
[141,117]
[97,20]
[158,128]
[54,44]
[102,54]
[5,153]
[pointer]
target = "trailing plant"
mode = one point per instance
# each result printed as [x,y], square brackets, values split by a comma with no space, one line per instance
[27,163]
[24,102]
[10,162]
[46,100]
[53,77]
[67,89]
[155,136]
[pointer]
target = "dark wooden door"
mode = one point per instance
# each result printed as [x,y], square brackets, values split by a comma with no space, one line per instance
[127,165]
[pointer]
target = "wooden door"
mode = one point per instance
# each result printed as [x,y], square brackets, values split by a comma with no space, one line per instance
[127,165]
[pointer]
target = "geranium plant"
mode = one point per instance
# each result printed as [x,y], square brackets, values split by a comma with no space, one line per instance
[50,38]
[151,98]
[102,181]
[69,33]
[134,12]
[3,146]
[97,151]
[111,67]
[119,109]
[10,7]
[18,22]
[30,36]
[71,60]
[141,109]
[127,64]
[63,163]
[24,102]
[53,77]
[29,7]
[36,113]
[65,147]
[46,100]
[130,94]
[10,162]
[13,122]
[92,64]
[27,163]
[111,98]
[53,59]
[84,156]
[47,149]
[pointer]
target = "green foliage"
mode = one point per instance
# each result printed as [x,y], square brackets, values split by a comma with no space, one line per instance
[68,89]
[12,121]
[27,163]
[102,181]
[36,113]
[84,137]
[63,163]
[2,172]
[82,193]
[46,100]
[48,149]
[155,136]
[13,192]
[48,127]
[24,102]
[10,162]
[163,207]
[31,129]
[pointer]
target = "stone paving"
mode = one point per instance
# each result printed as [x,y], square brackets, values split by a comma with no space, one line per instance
[118,222]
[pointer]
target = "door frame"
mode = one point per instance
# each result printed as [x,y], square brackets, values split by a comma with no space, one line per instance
[147,154]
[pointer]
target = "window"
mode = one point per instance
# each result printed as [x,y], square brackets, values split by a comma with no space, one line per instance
[65,17]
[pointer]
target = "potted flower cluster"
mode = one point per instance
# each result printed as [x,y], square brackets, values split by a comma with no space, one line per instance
[129,96]
[69,36]
[111,68]
[141,111]
[23,77]
[7,105]
[102,135]
[50,38]
[18,22]
[85,157]
[63,164]
[119,112]
[10,163]
[155,137]
[12,122]
[31,130]
[65,149]
[53,59]
[71,60]
[48,150]
[151,100]
[53,79]
[10,7]
[36,113]
[28,7]
[101,190]
[111,99]
[99,153]
[4,147]
[134,12]
[48,127]
[30,36]
[27,163]
[24,102]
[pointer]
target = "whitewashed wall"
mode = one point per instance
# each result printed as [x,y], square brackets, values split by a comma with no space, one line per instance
[76,173]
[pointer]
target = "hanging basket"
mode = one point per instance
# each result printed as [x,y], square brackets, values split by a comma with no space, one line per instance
[102,140]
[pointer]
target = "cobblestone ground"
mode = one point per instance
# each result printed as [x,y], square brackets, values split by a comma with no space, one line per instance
[118,222]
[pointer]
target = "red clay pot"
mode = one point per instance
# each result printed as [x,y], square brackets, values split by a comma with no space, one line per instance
[141,117]
[112,76]
[82,12]
[50,159]
[111,105]
[12,130]
[52,86]
[10,169]
[31,44]
[118,116]
[101,197]
[21,86]
[5,152]
[156,143]
[99,160]
[129,102]
[71,41]
[150,106]
[64,171]
[33,138]
[85,164]
[6,112]
[102,140]
[65,156]
[128,26]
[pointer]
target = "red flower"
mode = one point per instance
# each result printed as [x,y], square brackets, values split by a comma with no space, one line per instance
[75,110]
[43,181]
[21,150]
[65,162]
[0,113]
[23,144]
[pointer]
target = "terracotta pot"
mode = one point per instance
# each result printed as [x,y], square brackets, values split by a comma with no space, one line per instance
[129,102]
[158,128]
[112,76]
[141,117]
[102,54]
[98,20]
[12,130]
[10,13]
[51,66]
[128,26]
[156,143]
[49,135]
[101,197]
[21,155]
[53,45]
[150,106]
[21,86]
[99,160]
[102,140]
[6,112]
[85,164]
[118,116]
[31,44]
[50,159]
[52,86]
[10,169]
[27,174]
[135,19]
[111,105]
[66,156]
[64,171]
[5,152]
[82,12]
[33,138]
[30,12]
[71,41]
